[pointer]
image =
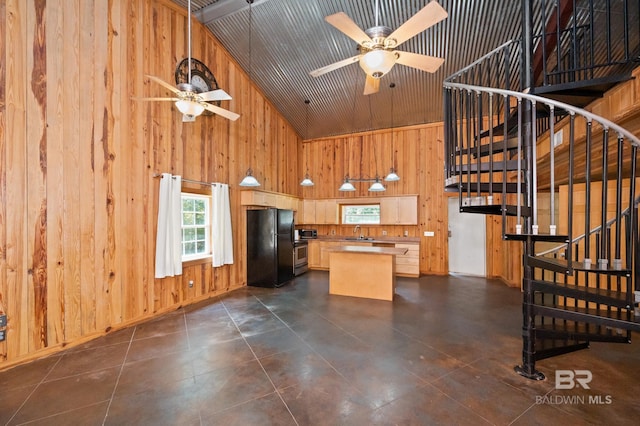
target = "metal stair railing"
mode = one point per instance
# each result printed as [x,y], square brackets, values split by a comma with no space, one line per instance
[470,98]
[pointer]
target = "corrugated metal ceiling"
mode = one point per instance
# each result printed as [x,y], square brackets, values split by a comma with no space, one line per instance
[290,38]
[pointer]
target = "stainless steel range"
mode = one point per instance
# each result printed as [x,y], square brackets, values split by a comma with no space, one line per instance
[300,257]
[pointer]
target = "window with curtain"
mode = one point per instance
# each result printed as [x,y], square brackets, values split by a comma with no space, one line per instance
[196,226]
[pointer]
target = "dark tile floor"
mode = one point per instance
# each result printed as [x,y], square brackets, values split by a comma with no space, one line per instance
[441,353]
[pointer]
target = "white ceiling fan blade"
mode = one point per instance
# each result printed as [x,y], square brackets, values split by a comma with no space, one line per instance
[221,111]
[343,23]
[371,85]
[334,66]
[429,15]
[163,83]
[215,95]
[421,62]
[156,99]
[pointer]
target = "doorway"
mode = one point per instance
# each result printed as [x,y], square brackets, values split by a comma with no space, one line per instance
[467,241]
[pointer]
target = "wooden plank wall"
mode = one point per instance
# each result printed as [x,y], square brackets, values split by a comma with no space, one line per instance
[417,153]
[78,201]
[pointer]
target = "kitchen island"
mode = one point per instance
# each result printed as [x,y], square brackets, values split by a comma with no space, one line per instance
[363,271]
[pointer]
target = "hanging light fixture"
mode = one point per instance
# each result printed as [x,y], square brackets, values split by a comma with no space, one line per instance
[307,180]
[347,185]
[392,176]
[377,186]
[249,179]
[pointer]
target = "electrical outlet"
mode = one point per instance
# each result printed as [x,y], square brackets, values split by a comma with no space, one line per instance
[333,232]
[406,233]
[384,233]
[3,320]
[190,283]
[429,233]
[3,335]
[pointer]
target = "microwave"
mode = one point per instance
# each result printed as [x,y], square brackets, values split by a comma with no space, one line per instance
[307,234]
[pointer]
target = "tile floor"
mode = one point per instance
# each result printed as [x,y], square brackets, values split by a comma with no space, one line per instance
[441,353]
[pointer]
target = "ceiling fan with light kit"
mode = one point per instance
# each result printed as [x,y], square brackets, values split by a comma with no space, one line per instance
[195,88]
[378,45]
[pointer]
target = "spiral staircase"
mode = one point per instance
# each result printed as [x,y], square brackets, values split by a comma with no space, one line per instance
[519,144]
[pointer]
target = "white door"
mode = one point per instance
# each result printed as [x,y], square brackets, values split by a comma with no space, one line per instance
[467,241]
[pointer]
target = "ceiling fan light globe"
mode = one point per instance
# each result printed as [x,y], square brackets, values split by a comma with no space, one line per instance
[377,63]
[189,107]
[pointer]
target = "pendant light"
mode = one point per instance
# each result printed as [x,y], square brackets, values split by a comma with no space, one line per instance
[307,180]
[249,179]
[392,176]
[376,186]
[347,186]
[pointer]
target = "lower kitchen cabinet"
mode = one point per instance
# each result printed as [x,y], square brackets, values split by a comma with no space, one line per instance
[407,265]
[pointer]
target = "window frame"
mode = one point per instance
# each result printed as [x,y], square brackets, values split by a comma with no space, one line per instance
[344,215]
[208,253]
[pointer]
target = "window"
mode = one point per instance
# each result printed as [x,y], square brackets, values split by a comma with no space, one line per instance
[361,214]
[196,226]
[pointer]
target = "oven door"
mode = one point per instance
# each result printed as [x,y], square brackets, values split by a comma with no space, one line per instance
[300,258]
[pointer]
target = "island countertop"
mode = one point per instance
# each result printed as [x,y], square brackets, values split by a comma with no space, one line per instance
[368,249]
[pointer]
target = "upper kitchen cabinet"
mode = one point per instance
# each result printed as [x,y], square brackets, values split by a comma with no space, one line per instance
[399,210]
[269,199]
[319,212]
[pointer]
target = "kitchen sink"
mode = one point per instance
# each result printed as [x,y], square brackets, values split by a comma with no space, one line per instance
[359,239]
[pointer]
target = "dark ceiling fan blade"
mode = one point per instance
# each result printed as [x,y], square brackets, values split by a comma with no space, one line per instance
[421,62]
[428,16]
[371,85]
[343,23]
[221,111]
[215,95]
[163,83]
[334,66]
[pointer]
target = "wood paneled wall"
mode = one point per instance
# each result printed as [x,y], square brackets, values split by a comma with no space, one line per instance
[416,152]
[78,201]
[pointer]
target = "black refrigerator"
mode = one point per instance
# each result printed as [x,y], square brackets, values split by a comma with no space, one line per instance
[269,247]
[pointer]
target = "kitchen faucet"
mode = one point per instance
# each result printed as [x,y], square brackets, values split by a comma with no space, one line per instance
[356,230]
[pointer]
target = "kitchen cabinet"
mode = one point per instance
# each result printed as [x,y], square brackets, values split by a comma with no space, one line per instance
[408,264]
[269,199]
[319,253]
[319,212]
[399,210]
[308,212]
[326,212]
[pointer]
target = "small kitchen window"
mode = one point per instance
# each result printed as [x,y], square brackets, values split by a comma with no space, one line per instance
[196,226]
[360,214]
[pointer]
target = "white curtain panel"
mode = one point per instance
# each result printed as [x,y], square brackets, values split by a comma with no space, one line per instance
[222,238]
[169,234]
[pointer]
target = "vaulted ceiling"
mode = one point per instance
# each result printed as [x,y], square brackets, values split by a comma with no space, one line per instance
[290,38]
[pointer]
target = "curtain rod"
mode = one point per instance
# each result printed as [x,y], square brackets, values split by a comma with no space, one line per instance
[198,182]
